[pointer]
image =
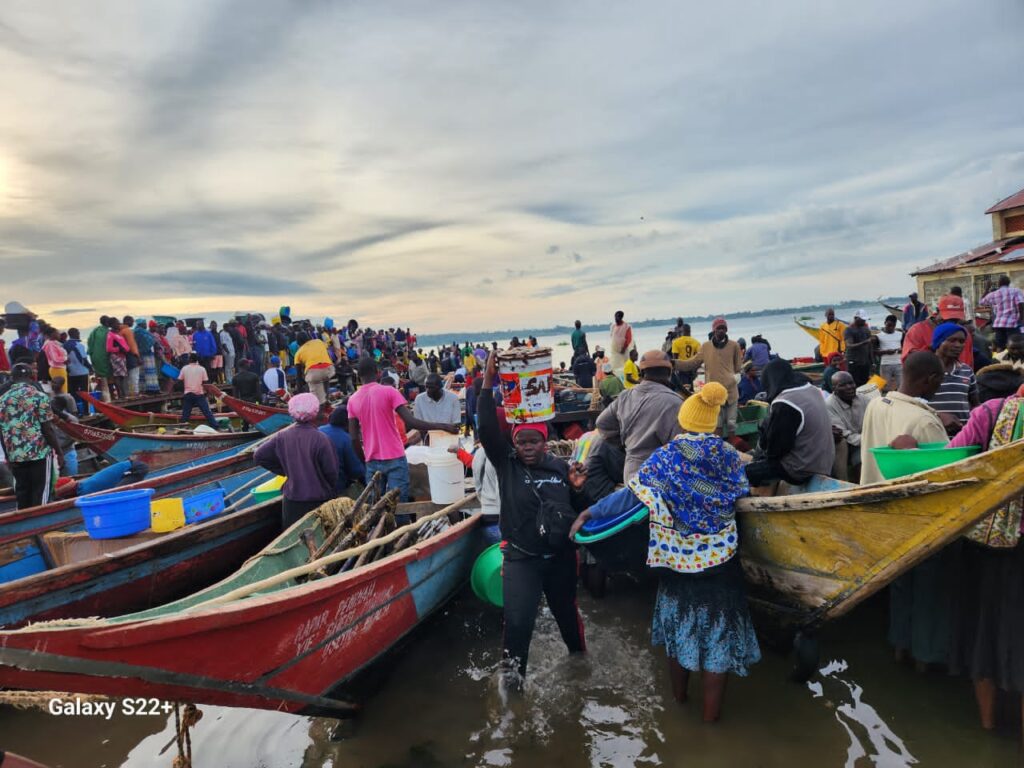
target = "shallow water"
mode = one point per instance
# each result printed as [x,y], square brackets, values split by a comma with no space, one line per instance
[437,704]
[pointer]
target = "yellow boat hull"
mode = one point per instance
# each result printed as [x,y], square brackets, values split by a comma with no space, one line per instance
[810,558]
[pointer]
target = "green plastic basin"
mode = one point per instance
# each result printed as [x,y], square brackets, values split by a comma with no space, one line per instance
[894,463]
[485,578]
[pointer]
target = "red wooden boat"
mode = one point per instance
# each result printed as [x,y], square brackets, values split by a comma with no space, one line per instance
[125,417]
[266,418]
[157,451]
[300,640]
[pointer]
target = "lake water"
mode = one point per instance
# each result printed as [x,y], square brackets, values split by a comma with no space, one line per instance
[436,704]
[781,332]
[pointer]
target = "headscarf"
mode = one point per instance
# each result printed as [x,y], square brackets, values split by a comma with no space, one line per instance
[539,426]
[778,376]
[944,331]
[304,408]
[690,487]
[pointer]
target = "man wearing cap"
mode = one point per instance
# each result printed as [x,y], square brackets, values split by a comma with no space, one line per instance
[723,362]
[28,438]
[919,339]
[275,381]
[952,306]
[643,418]
[859,348]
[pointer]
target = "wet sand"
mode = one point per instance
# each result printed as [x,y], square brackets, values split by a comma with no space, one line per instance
[436,704]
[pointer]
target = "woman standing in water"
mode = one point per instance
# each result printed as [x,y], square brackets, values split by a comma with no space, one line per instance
[540,495]
[690,487]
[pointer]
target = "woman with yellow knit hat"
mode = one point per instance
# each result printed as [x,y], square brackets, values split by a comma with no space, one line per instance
[690,487]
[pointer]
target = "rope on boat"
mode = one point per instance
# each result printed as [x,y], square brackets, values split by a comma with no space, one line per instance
[307,568]
[182,723]
[88,621]
[561,448]
[42,699]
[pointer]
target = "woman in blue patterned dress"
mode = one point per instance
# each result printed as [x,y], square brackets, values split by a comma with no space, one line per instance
[690,487]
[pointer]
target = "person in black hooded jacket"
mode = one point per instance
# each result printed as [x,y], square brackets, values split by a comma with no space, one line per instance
[539,557]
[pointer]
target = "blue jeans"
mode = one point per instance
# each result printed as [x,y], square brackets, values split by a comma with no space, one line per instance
[396,472]
[190,401]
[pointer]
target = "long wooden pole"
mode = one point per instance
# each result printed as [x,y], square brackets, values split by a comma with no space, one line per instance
[303,570]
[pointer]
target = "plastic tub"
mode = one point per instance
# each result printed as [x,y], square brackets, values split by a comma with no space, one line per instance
[203,505]
[893,463]
[111,515]
[268,490]
[446,476]
[485,578]
[441,441]
[166,515]
[169,371]
[527,385]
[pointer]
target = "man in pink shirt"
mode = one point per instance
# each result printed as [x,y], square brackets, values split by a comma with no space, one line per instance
[375,436]
[194,376]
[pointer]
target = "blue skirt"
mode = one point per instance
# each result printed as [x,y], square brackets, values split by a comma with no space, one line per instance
[703,620]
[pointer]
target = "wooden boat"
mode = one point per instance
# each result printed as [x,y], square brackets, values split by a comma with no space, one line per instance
[157,451]
[300,640]
[143,570]
[124,417]
[18,525]
[265,418]
[809,558]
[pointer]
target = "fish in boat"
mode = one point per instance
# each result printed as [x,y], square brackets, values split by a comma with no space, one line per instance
[302,639]
[134,572]
[811,556]
[22,525]
[265,418]
[155,450]
[124,417]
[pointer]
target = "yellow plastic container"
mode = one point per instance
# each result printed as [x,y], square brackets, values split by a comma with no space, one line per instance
[878,381]
[271,489]
[167,515]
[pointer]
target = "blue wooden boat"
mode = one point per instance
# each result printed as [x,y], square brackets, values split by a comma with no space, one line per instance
[153,449]
[139,571]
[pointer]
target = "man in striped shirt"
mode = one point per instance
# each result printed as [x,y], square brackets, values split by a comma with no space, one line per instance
[1007,304]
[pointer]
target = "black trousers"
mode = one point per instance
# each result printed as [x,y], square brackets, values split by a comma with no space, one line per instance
[767,471]
[861,372]
[1002,336]
[32,481]
[292,511]
[523,582]
[78,384]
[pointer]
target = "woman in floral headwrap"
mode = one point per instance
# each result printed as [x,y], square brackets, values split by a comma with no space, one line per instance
[690,487]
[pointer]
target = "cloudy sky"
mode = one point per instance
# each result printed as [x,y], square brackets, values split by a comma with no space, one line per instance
[454,165]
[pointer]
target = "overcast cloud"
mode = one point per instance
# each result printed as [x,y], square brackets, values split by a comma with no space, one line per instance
[460,164]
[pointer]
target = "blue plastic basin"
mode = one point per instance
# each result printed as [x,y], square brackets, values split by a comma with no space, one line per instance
[112,515]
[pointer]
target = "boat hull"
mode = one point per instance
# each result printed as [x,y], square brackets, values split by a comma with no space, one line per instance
[125,417]
[305,640]
[156,451]
[265,418]
[811,559]
[141,576]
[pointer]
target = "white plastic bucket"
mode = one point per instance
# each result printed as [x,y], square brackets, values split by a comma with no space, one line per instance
[527,385]
[441,441]
[447,479]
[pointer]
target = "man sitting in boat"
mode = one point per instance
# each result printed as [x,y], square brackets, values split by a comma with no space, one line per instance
[796,439]
[846,411]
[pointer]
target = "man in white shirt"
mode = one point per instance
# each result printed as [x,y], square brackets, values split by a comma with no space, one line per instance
[437,404]
[275,380]
[890,343]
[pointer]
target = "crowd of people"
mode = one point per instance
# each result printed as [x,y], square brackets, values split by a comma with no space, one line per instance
[665,438]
